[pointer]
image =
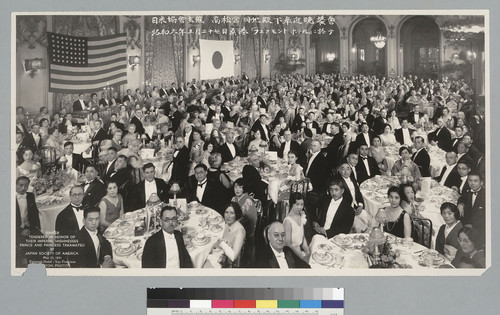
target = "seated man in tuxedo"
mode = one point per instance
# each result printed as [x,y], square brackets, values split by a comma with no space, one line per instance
[403,134]
[179,168]
[463,154]
[463,170]
[351,187]
[459,134]
[472,205]
[316,168]
[380,122]
[366,167]
[70,220]
[205,190]
[109,167]
[261,125]
[95,250]
[275,254]
[441,136]
[137,121]
[252,177]
[93,188]
[27,218]
[73,160]
[365,137]
[449,176]
[334,214]
[291,145]
[472,151]
[79,104]
[421,157]
[415,115]
[150,185]
[165,248]
[33,139]
[228,150]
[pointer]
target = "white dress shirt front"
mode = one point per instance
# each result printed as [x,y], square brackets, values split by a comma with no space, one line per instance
[149,188]
[447,172]
[171,251]
[95,240]
[79,216]
[200,190]
[280,257]
[23,209]
[332,210]
[407,137]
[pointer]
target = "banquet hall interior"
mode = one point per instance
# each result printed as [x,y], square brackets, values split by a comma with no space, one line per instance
[252,141]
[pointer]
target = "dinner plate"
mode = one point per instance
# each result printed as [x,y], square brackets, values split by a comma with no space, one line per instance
[437,258]
[200,242]
[216,228]
[214,220]
[325,247]
[120,251]
[342,240]
[113,233]
[125,224]
[201,211]
[327,259]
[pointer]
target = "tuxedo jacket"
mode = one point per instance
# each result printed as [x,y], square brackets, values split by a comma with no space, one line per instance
[296,124]
[77,106]
[398,134]
[66,223]
[128,98]
[94,193]
[173,91]
[453,178]
[370,120]
[378,125]
[258,126]
[155,252]
[443,139]
[107,172]
[104,102]
[137,122]
[79,163]
[211,196]
[99,136]
[163,92]
[226,153]
[465,188]
[360,139]
[342,221]
[318,173]
[162,190]
[254,182]
[333,149]
[294,146]
[180,167]
[411,117]
[423,160]
[361,169]
[358,197]
[33,214]
[87,255]
[454,143]
[474,215]
[29,142]
[268,260]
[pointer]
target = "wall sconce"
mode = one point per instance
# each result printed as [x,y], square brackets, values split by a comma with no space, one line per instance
[330,57]
[196,60]
[295,57]
[267,56]
[237,58]
[134,61]
[354,48]
[33,65]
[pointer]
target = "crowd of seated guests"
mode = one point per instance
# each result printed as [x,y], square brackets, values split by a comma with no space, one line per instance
[208,123]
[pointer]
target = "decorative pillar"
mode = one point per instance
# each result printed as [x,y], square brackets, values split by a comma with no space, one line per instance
[133,27]
[345,51]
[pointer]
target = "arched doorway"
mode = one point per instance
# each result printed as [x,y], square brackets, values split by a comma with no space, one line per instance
[326,46]
[368,51]
[419,40]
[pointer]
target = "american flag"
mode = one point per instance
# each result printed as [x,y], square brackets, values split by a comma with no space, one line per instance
[81,64]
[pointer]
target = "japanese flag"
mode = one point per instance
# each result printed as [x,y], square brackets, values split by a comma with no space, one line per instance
[216,59]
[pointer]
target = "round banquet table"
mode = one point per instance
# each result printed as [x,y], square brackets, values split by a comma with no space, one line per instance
[350,256]
[277,175]
[122,232]
[374,191]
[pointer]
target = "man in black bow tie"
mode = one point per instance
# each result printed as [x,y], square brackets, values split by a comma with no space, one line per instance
[70,220]
[93,188]
[472,205]
[366,167]
[205,190]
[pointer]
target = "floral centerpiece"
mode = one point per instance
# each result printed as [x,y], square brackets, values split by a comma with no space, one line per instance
[52,181]
[380,252]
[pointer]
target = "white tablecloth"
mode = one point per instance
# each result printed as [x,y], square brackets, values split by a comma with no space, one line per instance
[190,227]
[351,257]
[374,191]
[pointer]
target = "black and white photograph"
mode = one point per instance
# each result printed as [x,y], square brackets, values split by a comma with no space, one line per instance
[334,143]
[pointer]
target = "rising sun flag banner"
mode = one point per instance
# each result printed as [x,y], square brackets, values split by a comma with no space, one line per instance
[86,64]
[216,59]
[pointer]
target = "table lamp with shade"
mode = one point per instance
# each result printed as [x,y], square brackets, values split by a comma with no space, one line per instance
[175,189]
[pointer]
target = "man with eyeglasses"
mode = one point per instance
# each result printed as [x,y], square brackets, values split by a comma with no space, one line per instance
[276,254]
[165,248]
[70,220]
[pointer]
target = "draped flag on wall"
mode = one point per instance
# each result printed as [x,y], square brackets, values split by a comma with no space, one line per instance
[81,64]
[216,59]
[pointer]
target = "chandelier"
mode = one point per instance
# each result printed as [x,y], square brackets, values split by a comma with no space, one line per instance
[378,40]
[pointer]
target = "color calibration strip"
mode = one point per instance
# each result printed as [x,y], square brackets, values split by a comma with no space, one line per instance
[257,301]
